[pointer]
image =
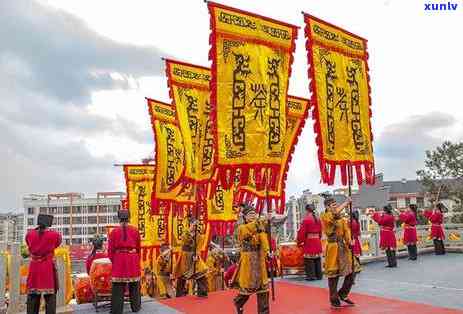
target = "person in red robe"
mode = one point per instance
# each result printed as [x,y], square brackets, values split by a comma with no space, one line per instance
[387,240]
[97,252]
[408,218]
[436,217]
[309,237]
[42,278]
[124,253]
[357,248]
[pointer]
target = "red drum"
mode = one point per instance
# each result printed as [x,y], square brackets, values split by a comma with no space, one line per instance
[100,276]
[83,289]
[291,255]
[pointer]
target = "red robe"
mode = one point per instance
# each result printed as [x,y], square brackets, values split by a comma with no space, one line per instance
[229,274]
[42,271]
[91,258]
[124,254]
[409,219]
[436,218]
[356,235]
[387,238]
[309,236]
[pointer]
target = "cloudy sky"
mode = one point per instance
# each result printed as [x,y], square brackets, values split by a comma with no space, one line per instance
[74,74]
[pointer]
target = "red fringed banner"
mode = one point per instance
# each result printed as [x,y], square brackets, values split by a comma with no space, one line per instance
[168,191]
[297,110]
[251,64]
[339,83]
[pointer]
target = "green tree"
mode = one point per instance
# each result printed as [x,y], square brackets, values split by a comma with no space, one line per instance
[443,175]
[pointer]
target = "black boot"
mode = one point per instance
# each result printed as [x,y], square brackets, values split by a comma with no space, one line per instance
[262,303]
[309,266]
[440,248]
[394,259]
[436,246]
[333,288]
[410,251]
[415,252]
[202,287]
[389,258]
[318,268]
[239,301]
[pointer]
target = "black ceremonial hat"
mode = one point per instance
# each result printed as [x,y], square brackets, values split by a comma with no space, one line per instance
[123,215]
[45,220]
[246,209]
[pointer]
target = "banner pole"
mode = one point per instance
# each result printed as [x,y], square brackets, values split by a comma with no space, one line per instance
[269,233]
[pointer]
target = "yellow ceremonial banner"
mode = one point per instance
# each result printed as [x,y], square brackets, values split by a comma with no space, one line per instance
[251,64]
[178,224]
[341,98]
[139,181]
[220,211]
[189,89]
[297,110]
[169,160]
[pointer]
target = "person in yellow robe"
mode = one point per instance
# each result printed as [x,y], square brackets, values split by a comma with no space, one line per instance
[339,261]
[190,265]
[163,271]
[251,274]
[215,263]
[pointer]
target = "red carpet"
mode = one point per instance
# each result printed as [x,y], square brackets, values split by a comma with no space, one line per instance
[299,299]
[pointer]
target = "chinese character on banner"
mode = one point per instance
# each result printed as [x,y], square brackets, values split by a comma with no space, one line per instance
[251,64]
[339,83]
[297,110]
[169,192]
[189,89]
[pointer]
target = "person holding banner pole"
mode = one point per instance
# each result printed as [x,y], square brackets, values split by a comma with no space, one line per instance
[190,265]
[251,276]
[338,254]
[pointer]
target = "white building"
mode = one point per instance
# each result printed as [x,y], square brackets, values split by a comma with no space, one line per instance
[11,227]
[76,217]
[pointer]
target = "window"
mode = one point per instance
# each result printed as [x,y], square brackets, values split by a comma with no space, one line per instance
[77,231]
[65,231]
[66,210]
[91,219]
[67,241]
[66,220]
[420,202]
[116,208]
[76,241]
[43,210]
[115,219]
[103,219]
[30,210]
[52,210]
[103,209]
[30,221]
[91,230]
[77,209]
[91,209]
[77,220]
[407,201]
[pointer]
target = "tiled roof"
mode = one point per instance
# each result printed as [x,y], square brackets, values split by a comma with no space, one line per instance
[409,186]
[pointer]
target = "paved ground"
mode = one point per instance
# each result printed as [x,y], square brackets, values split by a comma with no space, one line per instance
[435,280]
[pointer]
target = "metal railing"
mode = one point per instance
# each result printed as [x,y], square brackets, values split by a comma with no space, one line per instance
[11,299]
[453,238]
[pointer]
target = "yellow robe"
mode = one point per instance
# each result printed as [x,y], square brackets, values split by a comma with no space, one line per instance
[214,264]
[338,254]
[251,273]
[163,269]
[184,268]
